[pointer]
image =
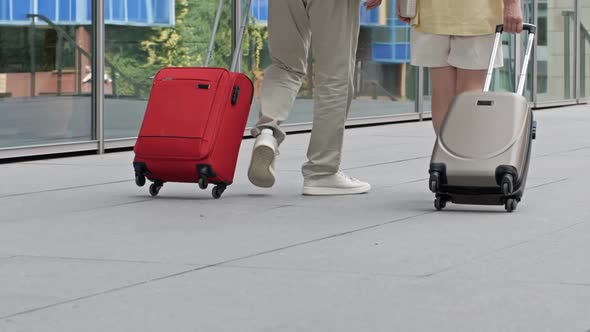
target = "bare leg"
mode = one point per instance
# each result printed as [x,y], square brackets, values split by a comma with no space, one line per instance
[444,88]
[470,80]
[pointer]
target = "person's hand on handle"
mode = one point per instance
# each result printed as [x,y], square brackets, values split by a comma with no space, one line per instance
[403,19]
[372,4]
[512,16]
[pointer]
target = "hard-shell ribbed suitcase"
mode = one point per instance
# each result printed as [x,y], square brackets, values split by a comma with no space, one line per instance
[194,123]
[483,150]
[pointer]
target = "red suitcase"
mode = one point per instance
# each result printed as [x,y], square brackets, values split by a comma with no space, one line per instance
[193,126]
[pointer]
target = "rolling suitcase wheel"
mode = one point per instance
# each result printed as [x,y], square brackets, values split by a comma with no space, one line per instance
[440,203]
[155,188]
[434,182]
[140,180]
[507,184]
[218,191]
[203,182]
[511,204]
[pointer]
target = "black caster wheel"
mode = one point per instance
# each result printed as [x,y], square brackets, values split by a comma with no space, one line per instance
[140,180]
[511,204]
[440,203]
[155,189]
[507,184]
[218,191]
[434,182]
[203,183]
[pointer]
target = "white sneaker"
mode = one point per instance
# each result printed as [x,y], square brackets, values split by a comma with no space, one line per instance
[261,172]
[336,184]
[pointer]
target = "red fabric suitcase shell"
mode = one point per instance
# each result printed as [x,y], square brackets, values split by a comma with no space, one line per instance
[191,123]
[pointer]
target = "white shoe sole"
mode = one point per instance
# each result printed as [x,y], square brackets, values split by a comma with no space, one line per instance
[326,191]
[259,172]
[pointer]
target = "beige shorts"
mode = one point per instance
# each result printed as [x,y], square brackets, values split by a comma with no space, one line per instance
[464,52]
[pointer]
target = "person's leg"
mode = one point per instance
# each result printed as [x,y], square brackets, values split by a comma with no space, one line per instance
[470,80]
[432,51]
[335,28]
[289,38]
[443,91]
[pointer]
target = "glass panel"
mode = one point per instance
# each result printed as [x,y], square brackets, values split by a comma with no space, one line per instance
[161,11]
[260,10]
[108,10]
[88,10]
[118,7]
[585,49]
[44,85]
[20,9]
[136,10]
[47,8]
[67,10]
[4,10]
[556,50]
[73,10]
[385,83]
[135,54]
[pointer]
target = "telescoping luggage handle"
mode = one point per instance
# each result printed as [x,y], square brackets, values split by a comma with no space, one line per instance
[531,28]
[236,54]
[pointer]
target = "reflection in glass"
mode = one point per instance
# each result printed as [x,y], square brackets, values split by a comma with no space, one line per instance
[45,88]
[585,49]
[555,51]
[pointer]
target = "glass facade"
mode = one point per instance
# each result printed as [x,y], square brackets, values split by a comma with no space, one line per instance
[122,12]
[556,50]
[45,66]
[45,93]
[584,54]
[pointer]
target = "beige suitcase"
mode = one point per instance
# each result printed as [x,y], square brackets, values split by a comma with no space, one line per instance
[483,150]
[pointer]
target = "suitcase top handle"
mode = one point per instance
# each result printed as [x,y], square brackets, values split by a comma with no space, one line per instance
[532,30]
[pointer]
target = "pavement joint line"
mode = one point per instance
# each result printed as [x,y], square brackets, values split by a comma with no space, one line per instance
[505,248]
[386,163]
[385,274]
[106,260]
[562,152]
[65,188]
[40,163]
[403,183]
[284,269]
[78,211]
[547,183]
[144,282]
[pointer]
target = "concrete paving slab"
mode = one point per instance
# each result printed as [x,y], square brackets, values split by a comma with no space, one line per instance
[268,300]
[22,178]
[554,258]
[28,283]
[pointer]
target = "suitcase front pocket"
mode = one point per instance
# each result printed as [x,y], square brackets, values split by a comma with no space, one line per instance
[180,107]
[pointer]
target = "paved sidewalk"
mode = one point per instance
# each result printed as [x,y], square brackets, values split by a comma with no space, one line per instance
[83,249]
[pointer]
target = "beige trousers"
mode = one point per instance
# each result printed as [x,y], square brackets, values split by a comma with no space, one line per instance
[334,27]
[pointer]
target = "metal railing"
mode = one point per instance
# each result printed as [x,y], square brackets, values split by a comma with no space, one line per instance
[61,36]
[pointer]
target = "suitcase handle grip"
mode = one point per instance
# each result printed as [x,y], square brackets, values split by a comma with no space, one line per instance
[532,29]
